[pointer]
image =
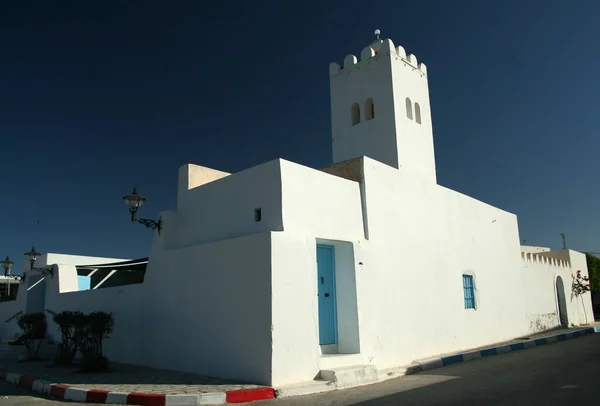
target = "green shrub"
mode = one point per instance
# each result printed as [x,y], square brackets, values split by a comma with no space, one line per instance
[34,328]
[80,332]
[33,325]
[91,331]
[66,322]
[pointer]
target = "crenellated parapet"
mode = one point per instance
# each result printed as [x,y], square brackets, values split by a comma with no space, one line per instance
[540,259]
[373,52]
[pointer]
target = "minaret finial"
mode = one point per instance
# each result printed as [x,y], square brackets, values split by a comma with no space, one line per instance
[377,33]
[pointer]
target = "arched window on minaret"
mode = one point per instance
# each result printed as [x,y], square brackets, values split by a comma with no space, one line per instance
[369,109]
[417,113]
[355,111]
[409,108]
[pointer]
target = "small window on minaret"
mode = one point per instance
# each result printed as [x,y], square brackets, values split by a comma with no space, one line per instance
[355,113]
[369,109]
[417,113]
[409,108]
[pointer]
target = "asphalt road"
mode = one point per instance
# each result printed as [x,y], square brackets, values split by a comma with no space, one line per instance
[566,373]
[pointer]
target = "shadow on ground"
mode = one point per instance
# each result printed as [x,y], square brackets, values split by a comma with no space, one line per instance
[563,373]
[557,374]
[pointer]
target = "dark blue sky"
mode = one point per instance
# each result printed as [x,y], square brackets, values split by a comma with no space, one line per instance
[99,96]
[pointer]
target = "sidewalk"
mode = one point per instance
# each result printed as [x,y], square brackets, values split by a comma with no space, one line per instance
[129,384]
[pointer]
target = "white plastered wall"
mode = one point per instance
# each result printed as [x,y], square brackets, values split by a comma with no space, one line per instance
[540,270]
[207,308]
[422,239]
[209,275]
[225,207]
[317,208]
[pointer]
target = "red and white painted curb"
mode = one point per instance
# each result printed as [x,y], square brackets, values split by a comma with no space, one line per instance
[65,392]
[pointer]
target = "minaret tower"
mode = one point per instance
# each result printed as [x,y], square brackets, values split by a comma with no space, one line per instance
[380,109]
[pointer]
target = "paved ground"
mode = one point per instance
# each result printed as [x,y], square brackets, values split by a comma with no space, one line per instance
[125,378]
[563,373]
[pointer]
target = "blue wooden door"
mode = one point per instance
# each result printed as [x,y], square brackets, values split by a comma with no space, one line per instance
[326,291]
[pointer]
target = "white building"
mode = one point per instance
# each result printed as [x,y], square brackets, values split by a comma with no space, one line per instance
[280,271]
[9,286]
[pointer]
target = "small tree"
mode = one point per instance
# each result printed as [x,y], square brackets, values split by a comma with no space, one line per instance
[80,333]
[34,328]
[581,285]
[66,322]
[96,328]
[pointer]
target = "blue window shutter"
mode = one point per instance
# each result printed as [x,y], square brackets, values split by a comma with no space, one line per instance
[469,291]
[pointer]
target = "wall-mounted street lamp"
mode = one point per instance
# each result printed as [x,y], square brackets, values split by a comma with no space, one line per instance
[32,256]
[7,265]
[134,202]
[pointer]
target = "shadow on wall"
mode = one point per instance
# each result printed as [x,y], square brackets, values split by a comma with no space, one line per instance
[562,303]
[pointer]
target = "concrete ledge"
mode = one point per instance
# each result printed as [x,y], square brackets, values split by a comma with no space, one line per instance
[432,363]
[347,377]
[118,398]
[391,373]
[76,395]
[216,398]
[13,377]
[249,395]
[305,388]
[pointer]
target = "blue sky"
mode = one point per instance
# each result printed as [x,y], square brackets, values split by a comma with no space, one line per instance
[99,96]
